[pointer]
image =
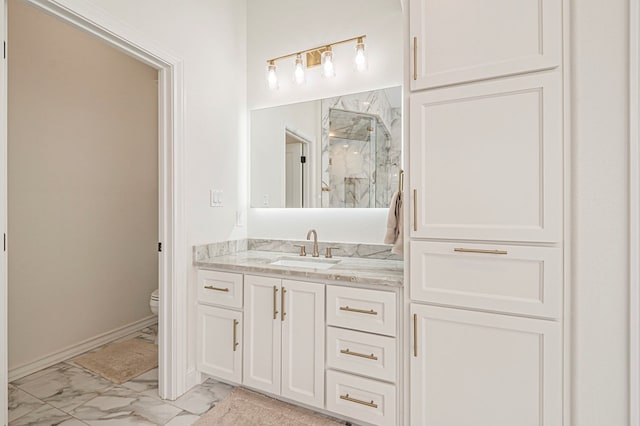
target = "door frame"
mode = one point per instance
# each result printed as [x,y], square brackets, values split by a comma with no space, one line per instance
[4,364]
[634,212]
[172,262]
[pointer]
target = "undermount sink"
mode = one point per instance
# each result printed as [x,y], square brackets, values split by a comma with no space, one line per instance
[301,262]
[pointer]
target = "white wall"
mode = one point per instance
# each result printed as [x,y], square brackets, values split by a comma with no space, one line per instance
[210,38]
[83,186]
[600,90]
[278,27]
[267,144]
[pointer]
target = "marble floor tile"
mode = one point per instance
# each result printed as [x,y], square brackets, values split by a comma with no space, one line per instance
[183,419]
[46,415]
[21,403]
[203,397]
[66,388]
[31,377]
[146,383]
[121,406]
[148,337]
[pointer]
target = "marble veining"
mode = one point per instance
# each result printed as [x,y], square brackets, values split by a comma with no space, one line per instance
[120,406]
[348,270]
[133,403]
[202,398]
[367,251]
[360,169]
[21,403]
[219,249]
[66,387]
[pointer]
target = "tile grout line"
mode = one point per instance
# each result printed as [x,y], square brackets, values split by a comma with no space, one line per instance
[73,365]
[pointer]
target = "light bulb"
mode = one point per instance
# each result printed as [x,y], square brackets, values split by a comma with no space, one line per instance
[299,70]
[328,70]
[360,59]
[272,77]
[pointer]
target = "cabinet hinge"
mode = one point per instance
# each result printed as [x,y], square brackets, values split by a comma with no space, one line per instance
[303,159]
[160,247]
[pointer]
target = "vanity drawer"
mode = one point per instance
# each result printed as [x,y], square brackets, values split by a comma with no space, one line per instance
[362,399]
[504,278]
[362,309]
[220,288]
[362,353]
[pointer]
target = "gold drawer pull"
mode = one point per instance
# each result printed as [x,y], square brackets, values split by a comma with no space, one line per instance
[282,295]
[275,302]
[464,250]
[415,335]
[357,401]
[348,352]
[235,335]
[415,58]
[415,210]
[210,287]
[359,311]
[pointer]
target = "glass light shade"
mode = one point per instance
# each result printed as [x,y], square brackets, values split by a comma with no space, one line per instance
[360,60]
[272,77]
[298,71]
[328,69]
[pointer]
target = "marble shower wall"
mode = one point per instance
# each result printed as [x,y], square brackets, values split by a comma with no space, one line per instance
[389,161]
[350,173]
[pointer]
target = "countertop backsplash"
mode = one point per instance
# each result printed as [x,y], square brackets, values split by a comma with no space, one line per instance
[224,248]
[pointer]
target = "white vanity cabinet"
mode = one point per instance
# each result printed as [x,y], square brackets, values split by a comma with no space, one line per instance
[333,347]
[459,41]
[219,325]
[284,338]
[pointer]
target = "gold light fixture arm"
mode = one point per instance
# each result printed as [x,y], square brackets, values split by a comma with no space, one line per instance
[359,39]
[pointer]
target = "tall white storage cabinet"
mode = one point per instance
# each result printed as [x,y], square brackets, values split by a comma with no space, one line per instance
[486,213]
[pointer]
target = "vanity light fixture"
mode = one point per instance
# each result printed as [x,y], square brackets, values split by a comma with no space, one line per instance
[298,71]
[272,77]
[328,69]
[322,55]
[360,59]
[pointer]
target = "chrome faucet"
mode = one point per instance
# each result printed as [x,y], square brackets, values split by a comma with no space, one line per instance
[315,241]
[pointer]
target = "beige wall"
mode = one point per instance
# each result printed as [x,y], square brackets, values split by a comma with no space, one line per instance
[83,215]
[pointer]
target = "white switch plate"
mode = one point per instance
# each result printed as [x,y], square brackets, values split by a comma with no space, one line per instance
[215,198]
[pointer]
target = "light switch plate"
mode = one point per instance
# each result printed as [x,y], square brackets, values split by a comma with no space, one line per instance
[215,198]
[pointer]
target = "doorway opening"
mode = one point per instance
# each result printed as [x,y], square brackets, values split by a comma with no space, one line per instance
[296,170]
[172,262]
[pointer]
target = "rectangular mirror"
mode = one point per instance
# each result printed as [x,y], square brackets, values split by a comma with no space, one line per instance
[344,151]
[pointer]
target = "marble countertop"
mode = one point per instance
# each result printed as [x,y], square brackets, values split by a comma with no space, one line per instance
[348,269]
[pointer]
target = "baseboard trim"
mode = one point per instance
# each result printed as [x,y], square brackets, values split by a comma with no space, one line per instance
[80,348]
[194,378]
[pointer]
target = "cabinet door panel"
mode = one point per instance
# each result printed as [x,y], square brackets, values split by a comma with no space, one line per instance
[219,343]
[262,334]
[466,40]
[480,369]
[486,161]
[303,342]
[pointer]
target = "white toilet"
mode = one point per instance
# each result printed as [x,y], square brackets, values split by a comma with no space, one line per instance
[153,301]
